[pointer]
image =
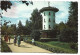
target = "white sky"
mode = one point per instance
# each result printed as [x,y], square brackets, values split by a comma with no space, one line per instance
[20,11]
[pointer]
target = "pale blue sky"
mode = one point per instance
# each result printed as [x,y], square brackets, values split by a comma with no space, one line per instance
[20,11]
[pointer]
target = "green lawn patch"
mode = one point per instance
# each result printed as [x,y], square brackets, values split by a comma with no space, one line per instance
[61,44]
[52,48]
[4,47]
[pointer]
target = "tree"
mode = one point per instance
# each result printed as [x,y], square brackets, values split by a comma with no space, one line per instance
[68,35]
[68,31]
[73,20]
[4,27]
[27,28]
[8,4]
[5,5]
[13,26]
[73,15]
[36,19]
[10,30]
[36,35]
[27,23]
[3,30]
[20,28]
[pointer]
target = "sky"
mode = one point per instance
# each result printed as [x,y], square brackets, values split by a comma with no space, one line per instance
[20,11]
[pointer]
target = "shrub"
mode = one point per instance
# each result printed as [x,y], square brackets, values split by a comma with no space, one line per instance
[4,47]
[74,46]
[36,35]
[48,39]
[68,35]
[52,48]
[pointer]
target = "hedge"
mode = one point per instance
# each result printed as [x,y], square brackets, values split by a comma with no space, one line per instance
[4,47]
[51,48]
[48,39]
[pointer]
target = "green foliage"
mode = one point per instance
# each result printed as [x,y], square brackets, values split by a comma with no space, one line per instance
[48,39]
[34,24]
[52,48]
[68,35]
[36,19]
[28,27]
[8,29]
[7,4]
[4,47]
[12,29]
[20,28]
[74,46]
[3,29]
[68,32]
[36,35]
[64,45]
[73,21]
[73,15]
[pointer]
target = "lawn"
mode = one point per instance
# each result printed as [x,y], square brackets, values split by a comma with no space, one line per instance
[4,47]
[60,44]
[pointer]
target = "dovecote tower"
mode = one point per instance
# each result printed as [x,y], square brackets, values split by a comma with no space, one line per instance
[48,21]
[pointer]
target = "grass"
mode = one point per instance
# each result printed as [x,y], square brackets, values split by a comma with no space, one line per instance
[52,48]
[4,47]
[60,44]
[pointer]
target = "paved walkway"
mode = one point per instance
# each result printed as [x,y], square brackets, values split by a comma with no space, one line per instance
[26,48]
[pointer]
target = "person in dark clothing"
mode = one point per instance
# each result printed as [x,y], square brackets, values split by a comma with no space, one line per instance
[9,38]
[6,38]
[18,40]
[15,39]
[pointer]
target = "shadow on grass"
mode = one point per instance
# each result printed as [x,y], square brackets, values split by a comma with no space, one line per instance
[24,46]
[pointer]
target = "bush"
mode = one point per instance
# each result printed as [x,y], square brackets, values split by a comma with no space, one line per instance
[68,35]
[51,48]
[74,46]
[36,35]
[48,39]
[4,47]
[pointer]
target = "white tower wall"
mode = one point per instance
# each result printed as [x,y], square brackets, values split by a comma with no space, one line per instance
[48,21]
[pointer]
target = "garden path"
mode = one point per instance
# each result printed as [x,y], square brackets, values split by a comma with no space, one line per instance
[26,48]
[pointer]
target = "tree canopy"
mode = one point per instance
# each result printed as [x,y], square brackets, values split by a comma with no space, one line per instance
[36,19]
[8,4]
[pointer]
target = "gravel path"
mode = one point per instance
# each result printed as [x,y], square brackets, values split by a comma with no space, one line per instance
[26,48]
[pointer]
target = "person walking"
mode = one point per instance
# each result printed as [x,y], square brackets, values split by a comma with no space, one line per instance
[18,40]
[9,38]
[33,41]
[6,38]
[15,39]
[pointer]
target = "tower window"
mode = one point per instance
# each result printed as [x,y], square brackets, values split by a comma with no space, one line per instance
[49,13]
[49,27]
[54,21]
[44,20]
[53,14]
[49,20]
[44,13]
[44,26]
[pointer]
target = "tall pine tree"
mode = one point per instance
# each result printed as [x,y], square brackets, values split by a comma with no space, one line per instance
[20,28]
[73,21]
[73,15]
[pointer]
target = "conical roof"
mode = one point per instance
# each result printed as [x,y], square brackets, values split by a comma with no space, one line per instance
[49,9]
